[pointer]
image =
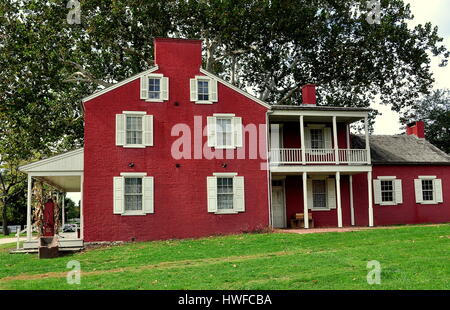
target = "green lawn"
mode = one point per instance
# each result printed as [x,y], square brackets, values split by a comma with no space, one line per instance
[411,257]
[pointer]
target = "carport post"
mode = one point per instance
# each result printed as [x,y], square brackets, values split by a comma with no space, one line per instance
[29,195]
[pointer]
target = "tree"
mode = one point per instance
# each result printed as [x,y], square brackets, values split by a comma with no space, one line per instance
[434,110]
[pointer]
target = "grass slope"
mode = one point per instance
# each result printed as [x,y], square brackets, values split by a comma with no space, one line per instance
[416,257]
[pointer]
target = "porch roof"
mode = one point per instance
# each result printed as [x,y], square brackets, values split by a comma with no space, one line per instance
[64,171]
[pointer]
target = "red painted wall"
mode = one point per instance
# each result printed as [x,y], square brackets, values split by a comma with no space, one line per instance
[180,198]
[409,212]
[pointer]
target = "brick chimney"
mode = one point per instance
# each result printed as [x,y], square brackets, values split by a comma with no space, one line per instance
[309,94]
[416,128]
[178,53]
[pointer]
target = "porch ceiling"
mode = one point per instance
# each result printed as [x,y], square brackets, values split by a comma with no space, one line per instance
[66,183]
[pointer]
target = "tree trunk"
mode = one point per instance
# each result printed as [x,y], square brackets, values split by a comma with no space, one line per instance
[4,219]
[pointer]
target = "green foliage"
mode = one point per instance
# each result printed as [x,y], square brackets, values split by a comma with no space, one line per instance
[434,110]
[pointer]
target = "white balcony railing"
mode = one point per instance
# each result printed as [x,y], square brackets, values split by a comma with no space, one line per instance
[318,156]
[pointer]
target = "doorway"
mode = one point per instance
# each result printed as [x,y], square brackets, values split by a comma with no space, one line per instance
[278,204]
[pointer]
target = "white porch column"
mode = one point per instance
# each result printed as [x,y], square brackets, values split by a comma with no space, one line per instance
[338,198]
[335,141]
[352,210]
[63,204]
[369,186]
[302,138]
[29,195]
[81,208]
[366,130]
[305,200]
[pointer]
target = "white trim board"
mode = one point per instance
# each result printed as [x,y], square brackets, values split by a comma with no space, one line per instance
[242,92]
[121,83]
[53,159]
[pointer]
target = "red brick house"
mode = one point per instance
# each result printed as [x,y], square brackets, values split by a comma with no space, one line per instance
[176,152]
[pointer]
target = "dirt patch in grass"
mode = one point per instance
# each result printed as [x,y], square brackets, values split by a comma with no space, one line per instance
[163,265]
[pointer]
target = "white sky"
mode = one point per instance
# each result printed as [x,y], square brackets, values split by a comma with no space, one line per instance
[436,12]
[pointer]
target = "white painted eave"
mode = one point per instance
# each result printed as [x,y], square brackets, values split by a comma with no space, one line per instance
[121,83]
[229,85]
[72,161]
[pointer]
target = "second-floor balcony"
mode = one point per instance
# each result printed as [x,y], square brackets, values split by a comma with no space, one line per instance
[295,156]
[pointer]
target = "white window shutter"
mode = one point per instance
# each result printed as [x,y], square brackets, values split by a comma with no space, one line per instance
[309,194]
[148,190]
[118,195]
[120,129]
[211,188]
[194,96]
[437,185]
[327,137]
[144,87]
[418,190]
[237,127]
[239,194]
[148,130]
[211,124]
[377,191]
[213,90]
[307,144]
[165,88]
[331,193]
[398,191]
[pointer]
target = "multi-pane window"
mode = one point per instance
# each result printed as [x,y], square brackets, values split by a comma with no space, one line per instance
[224,193]
[133,194]
[387,191]
[154,88]
[203,90]
[317,139]
[427,190]
[133,129]
[319,190]
[224,132]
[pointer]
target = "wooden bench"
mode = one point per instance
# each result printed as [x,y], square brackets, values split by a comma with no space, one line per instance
[298,221]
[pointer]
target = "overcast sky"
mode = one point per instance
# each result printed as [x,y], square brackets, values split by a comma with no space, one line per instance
[436,12]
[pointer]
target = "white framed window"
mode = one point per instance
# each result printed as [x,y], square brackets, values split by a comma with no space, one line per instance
[321,193]
[226,193]
[387,191]
[134,129]
[133,194]
[224,131]
[428,190]
[203,90]
[154,88]
[318,137]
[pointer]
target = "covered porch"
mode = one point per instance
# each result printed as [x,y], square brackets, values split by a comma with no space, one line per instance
[325,194]
[64,174]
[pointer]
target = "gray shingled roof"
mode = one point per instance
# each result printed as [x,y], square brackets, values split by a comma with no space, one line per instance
[401,149]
